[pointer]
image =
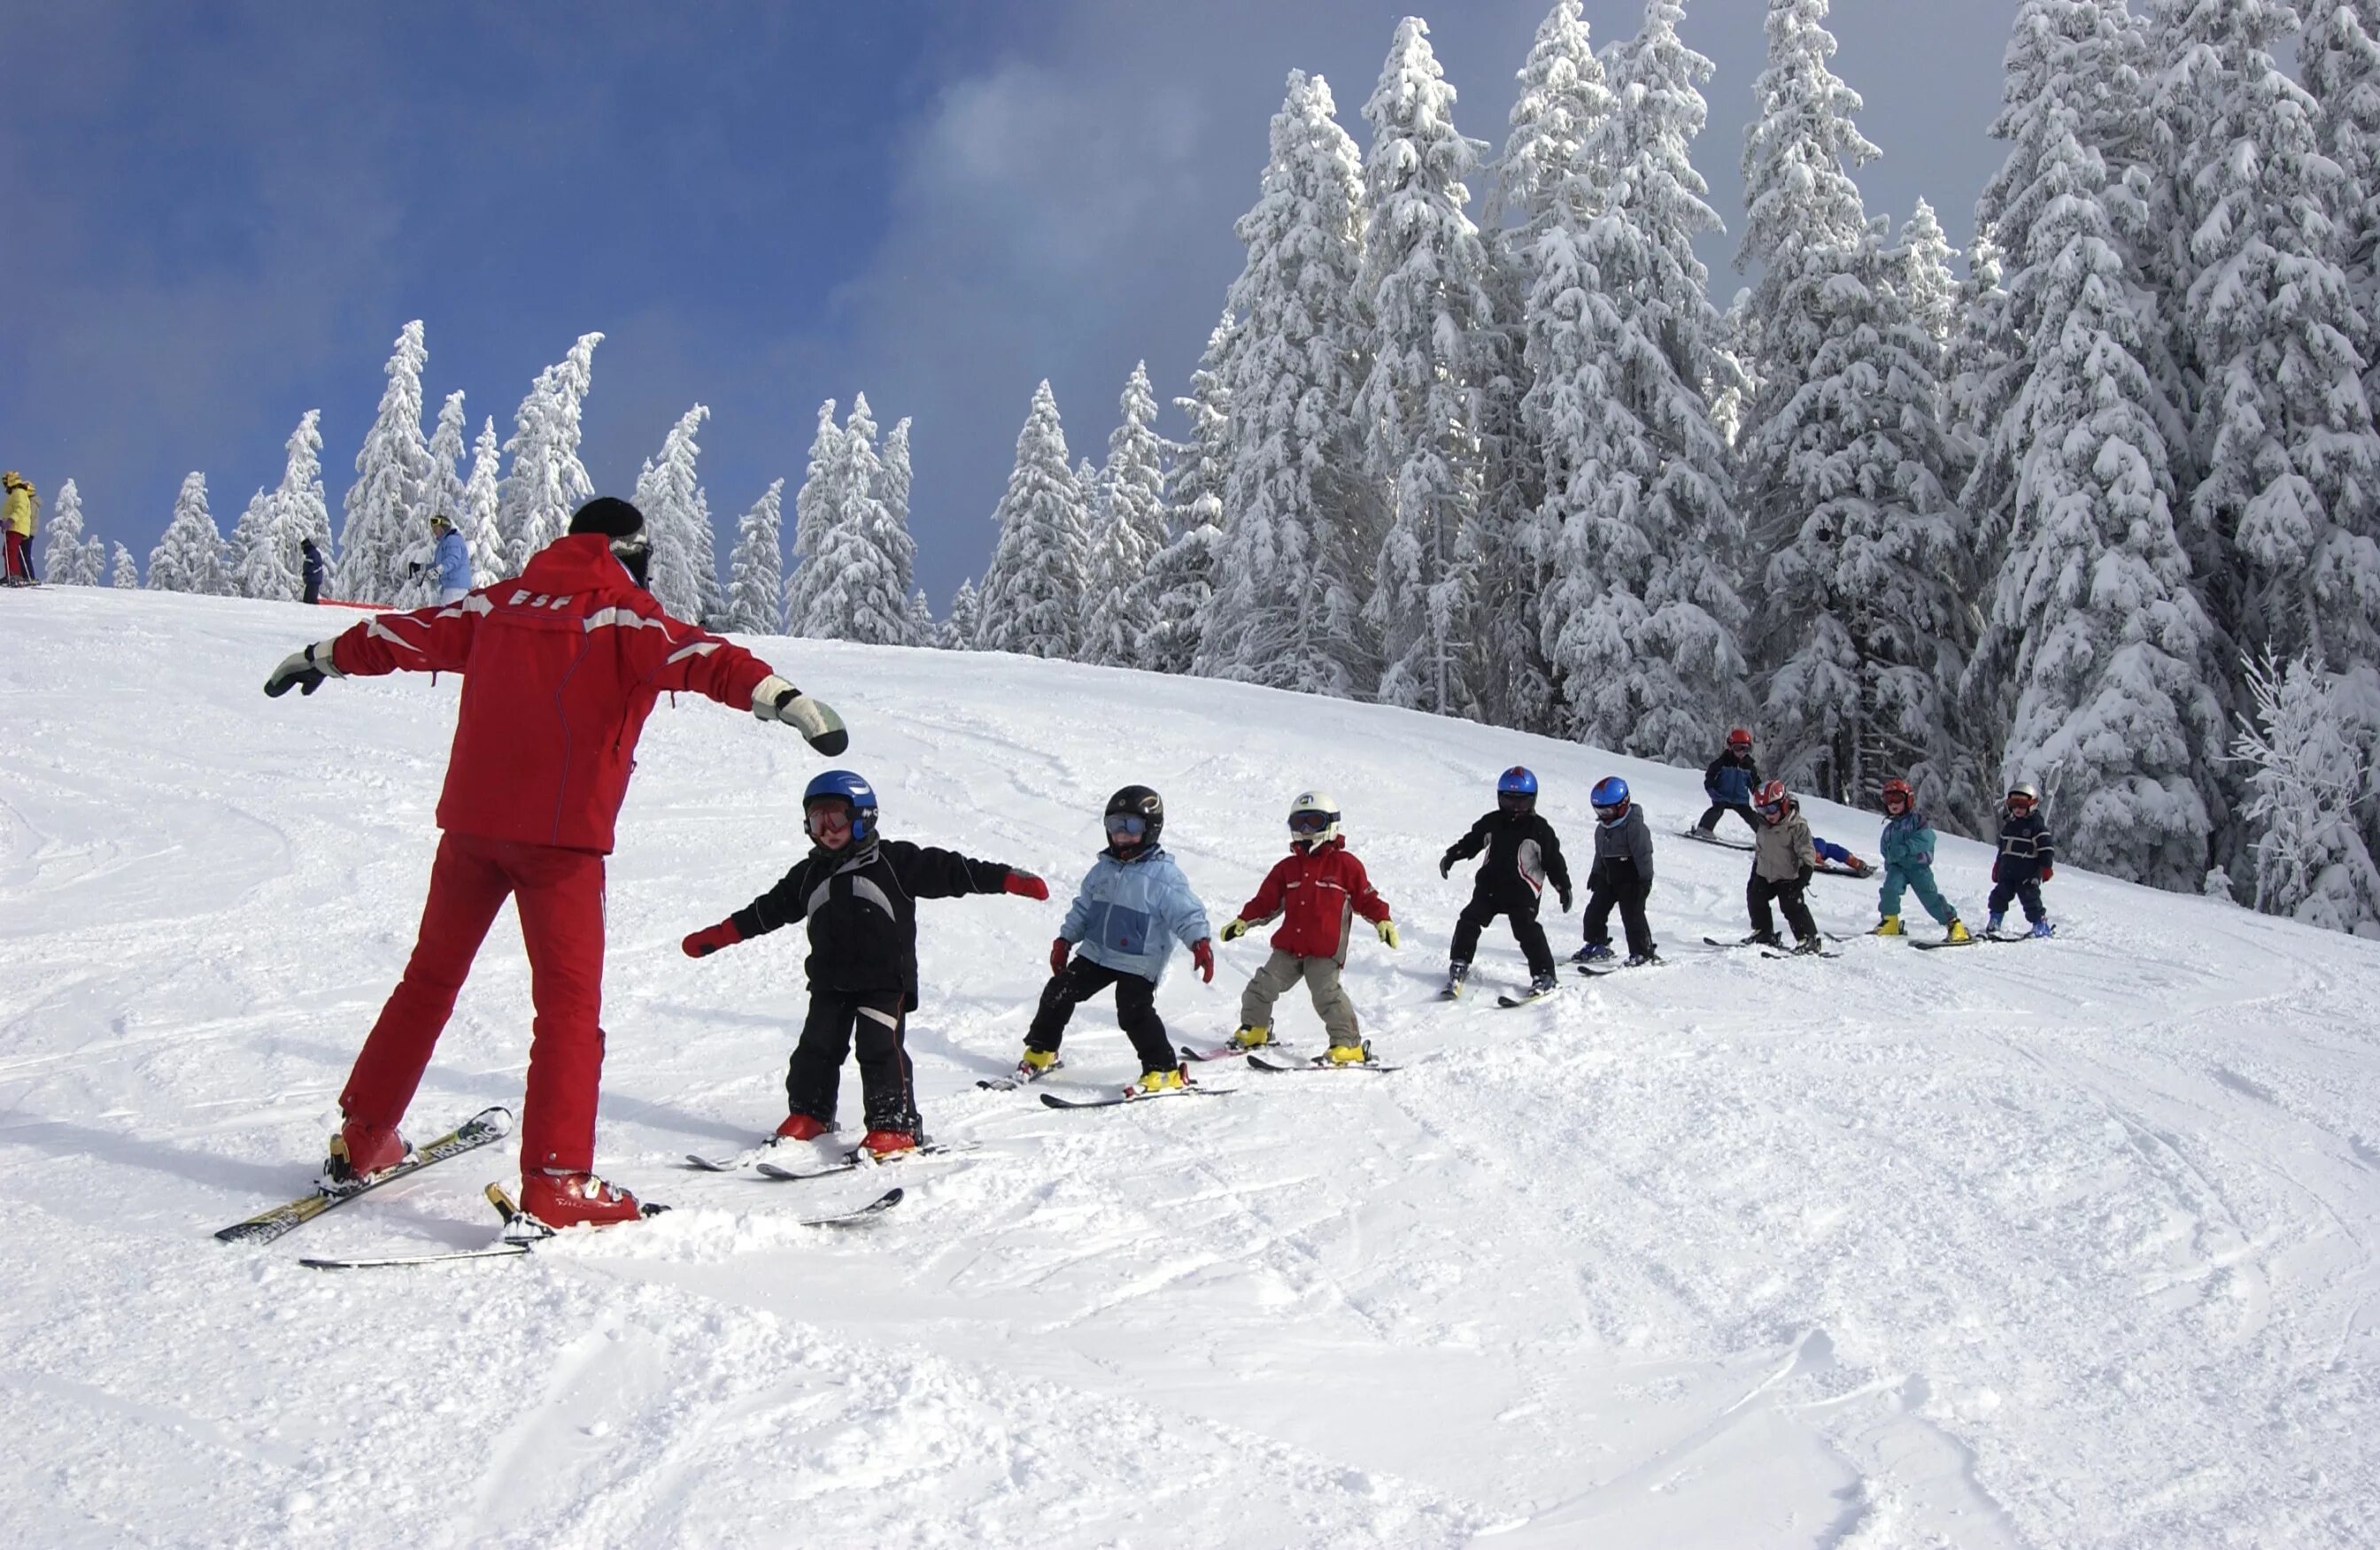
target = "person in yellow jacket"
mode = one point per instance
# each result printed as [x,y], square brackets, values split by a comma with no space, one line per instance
[17,514]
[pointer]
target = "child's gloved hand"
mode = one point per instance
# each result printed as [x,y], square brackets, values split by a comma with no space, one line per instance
[2047,871]
[1234,929]
[1564,896]
[1026,885]
[711,938]
[1202,952]
[1060,951]
[1446,866]
[1388,929]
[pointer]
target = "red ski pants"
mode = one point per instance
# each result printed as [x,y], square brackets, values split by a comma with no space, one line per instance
[21,554]
[560,896]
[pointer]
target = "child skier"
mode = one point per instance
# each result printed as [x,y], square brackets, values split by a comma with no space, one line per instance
[1908,846]
[1781,865]
[1522,854]
[1622,875]
[858,892]
[1319,888]
[1134,904]
[2026,853]
[1729,783]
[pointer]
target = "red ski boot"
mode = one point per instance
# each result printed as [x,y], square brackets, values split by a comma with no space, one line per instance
[884,1145]
[360,1151]
[802,1127]
[565,1200]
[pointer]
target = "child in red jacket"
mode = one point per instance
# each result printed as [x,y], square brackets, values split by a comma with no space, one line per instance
[1318,889]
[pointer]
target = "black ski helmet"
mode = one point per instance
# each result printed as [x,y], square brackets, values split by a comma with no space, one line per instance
[1141,803]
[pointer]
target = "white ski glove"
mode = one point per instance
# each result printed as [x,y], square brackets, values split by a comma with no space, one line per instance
[774,699]
[303,670]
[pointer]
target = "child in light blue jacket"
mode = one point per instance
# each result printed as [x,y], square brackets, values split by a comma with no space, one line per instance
[1133,906]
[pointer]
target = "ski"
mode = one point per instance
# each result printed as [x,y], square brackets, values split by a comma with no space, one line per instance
[1772,952]
[1929,946]
[1715,840]
[854,1160]
[1524,1000]
[1131,1095]
[861,1213]
[489,1124]
[493,1250]
[1023,1076]
[741,1160]
[1317,1062]
[1227,1052]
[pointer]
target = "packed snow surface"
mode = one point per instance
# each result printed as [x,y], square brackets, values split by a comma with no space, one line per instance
[2065,1243]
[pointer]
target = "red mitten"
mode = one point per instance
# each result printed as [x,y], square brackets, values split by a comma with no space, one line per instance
[2047,871]
[1996,871]
[711,938]
[1060,951]
[1202,952]
[1026,884]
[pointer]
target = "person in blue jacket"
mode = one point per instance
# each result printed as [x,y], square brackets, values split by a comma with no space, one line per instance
[1908,846]
[1729,783]
[1133,906]
[2025,862]
[311,565]
[450,558]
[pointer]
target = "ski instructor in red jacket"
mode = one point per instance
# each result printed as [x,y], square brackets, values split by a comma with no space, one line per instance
[561,665]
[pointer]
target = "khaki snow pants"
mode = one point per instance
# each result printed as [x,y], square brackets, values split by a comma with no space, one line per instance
[1322,976]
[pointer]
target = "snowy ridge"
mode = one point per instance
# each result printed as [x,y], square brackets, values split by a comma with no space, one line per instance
[2063,1244]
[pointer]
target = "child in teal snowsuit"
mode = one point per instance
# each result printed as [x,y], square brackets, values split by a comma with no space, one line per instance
[1908,846]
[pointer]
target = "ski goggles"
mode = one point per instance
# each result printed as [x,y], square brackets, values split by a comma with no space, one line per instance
[1127,825]
[1311,823]
[824,819]
[1516,801]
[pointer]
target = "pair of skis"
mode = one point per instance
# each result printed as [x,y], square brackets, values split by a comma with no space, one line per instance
[1257,1061]
[851,1162]
[1768,950]
[1025,1076]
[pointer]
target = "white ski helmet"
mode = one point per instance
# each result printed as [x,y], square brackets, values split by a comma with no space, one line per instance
[1313,820]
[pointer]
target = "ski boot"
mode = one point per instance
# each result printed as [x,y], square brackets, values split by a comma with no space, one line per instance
[1992,926]
[1251,1035]
[1543,985]
[1593,952]
[1806,945]
[1036,1062]
[1957,932]
[1641,960]
[360,1151]
[886,1145]
[802,1127]
[2042,928]
[1348,1054]
[1765,939]
[1455,974]
[555,1200]
[1167,1081]
[1888,927]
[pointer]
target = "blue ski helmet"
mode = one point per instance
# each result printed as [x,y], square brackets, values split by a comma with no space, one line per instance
[1609,798]
[845,786]
[1516,790]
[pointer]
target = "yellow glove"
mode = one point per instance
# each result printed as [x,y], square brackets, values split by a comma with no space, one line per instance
[1388,929]
[1234,929]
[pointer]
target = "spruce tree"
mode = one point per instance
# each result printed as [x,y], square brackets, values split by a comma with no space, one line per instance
[1424,286]
[189,558]
[960,626]
[385,506]
[299,511]
[815,505]
[248,557]
[445,488]
[2340,62]
[669,492]
[1032,596]
[854,592]
[1119,614]
[895,496]
[126,572]
[920,622]
[756,586]
[1300,519]
[547,482]
[881,509]
[482,532]
[1180,583]
[69,559]
[2311,771]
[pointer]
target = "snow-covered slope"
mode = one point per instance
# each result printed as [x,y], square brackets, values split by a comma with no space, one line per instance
[2066,1243]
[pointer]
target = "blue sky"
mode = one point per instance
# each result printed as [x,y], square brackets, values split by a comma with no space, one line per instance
[219,216]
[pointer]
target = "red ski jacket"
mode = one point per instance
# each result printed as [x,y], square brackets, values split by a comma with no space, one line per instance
[561,666]
[1315,893]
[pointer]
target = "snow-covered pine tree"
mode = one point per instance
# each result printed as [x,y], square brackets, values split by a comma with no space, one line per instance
[385,510]
[898,542]
[2096,640]
[1119,614]
[705,543]
[125,574]
[1640,622]
[1981,373]
[251,544]
[2313,772]
[483,533]
[814,510]
[755,585]
[881,523]
[547,482]
[1179,581]
[300,511]
[1424,287]
[1566,94]
[189,558]
[960,626]
[667,491]
[921,631]
[854,590]
[1929,294]
[2338,59]
[68,558]
[2291,481]
[445,488]
[1300,521]
[1032,596]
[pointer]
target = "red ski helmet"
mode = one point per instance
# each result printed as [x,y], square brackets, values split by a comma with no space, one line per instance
[1772,800]
[1739,741]
[1898,797]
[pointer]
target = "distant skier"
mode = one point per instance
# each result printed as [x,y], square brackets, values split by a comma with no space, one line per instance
[857,895]
[451,558]
[560,668]
[1318,889]
[310,569]
[1908,847]
[16,517]
[1837,858]
[1729,783]
[1781,864]
[1622,875]
[2024,862]
[1522,855]
[1133,904]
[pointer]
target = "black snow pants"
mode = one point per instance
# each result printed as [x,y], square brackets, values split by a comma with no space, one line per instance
[1709,821]
[1485,907]
[815,1074]
[1135,1010]
[1788,895]
[1617,882]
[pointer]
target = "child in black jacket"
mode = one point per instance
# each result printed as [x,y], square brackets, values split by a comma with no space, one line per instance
[859,895]
[1522,857]
[2027,853]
